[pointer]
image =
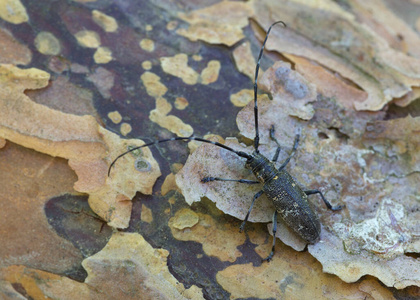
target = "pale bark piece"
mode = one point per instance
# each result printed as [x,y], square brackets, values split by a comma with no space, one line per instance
[12,51]
[398,143]
[187,225]
[294,277]
[128,261]
[378,185]
[400,272]
[327,83]
[230,197]
[39,284]
[220,23]
[384,22]
[140,270]
[88,147]
[327,34]
[29,179]
[244,59]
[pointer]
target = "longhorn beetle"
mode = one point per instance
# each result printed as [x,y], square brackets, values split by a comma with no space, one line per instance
[290,201]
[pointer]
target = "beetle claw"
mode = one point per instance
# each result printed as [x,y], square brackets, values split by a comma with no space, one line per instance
[338,207]
[207,179]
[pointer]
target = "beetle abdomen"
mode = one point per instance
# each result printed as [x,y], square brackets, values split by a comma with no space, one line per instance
[292,204]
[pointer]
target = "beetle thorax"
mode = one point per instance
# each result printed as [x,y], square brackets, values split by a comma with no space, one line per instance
[263,169]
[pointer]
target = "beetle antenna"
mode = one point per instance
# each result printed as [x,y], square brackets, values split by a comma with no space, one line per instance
[239,153]
[257,135]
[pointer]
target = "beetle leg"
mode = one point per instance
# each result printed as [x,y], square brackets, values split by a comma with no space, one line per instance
[208,179]
[276,155]
[270,256]
[284,164]
[249,211]
[328,204]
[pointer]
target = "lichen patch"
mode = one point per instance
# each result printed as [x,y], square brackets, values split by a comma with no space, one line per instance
[108,23]
[46,43]
[88,39]
[220,242]
[102,55]
[178,66]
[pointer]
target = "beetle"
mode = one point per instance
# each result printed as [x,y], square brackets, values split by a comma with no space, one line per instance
[290,200]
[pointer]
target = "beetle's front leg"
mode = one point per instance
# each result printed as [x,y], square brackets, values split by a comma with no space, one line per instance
[276,155]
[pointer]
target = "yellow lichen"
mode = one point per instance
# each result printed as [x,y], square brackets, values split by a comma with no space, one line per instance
[109,24]
[163,107]
[147,65]
[211,72]
[176,167]
[172,25]
[153,85]
[178,67]
[103,55]
[217,241]
[197,57]
[115,117]
[46,43]
[184,218]
[147,45]
[13,11]
[241,98]
[125,129]
[169,184]
[88,39]
[172,123]
[146,214]
[181,103]
[160,115]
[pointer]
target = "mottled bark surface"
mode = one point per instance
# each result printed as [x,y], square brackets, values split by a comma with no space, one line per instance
[83,81]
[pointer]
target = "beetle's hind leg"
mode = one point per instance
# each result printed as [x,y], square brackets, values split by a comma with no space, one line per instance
[257,195]
[328,204]
[270,256]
